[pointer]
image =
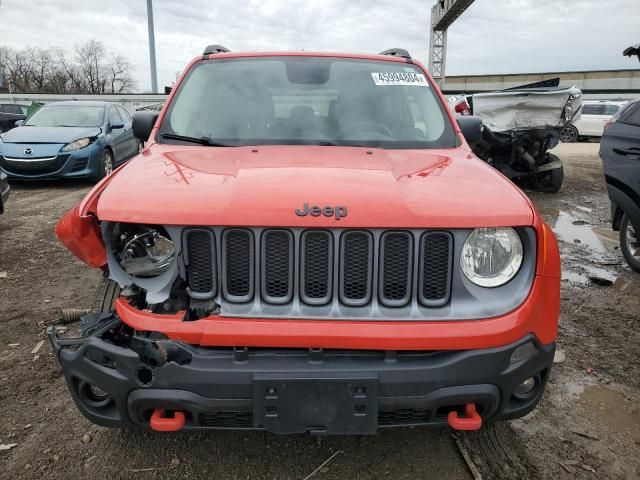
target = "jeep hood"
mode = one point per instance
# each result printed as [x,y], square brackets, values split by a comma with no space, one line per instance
[263,186]
[57,135]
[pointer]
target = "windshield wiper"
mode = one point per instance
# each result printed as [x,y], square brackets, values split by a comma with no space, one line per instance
[206,141]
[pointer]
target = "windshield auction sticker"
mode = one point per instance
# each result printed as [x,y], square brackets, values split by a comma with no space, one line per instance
[399,79]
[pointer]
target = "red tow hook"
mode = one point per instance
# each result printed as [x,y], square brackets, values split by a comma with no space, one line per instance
[471,421]
[160,423]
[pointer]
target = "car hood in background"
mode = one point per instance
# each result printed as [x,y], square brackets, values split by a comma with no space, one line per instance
[56,135]
[179,185]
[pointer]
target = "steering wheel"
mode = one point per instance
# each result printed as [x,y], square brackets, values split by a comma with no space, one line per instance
[360,127]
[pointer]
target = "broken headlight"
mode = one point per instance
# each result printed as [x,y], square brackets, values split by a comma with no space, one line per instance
[143,251]
[491,256]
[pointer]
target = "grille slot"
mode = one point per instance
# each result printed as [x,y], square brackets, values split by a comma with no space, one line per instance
[395,268]
[435,269]
[201,258]
[404,416]
[238,261]
[356,272]
[277,266]
[316,265]
[229,419]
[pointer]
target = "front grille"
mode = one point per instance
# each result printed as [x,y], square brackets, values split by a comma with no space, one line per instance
[223,419]
[308,273]
[32,166]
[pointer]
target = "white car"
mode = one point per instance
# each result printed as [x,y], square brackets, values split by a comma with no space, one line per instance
[595,114]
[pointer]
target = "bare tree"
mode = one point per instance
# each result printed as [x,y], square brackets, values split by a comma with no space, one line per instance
[120,78]
[93,70]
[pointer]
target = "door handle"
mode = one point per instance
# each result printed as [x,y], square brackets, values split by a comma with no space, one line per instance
[632,152]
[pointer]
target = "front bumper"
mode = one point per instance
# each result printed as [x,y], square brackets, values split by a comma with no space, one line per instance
[296,390]
[83,163]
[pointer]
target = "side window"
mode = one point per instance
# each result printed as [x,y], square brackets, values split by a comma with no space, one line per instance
[611,109]
[124,114]
[632,115]
[592,109]
[114,117]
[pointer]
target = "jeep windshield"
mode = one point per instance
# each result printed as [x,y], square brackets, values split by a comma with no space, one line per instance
[307,101]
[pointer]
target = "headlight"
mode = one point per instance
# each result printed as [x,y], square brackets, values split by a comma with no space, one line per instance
[491,256]
[143,251]
[77,145]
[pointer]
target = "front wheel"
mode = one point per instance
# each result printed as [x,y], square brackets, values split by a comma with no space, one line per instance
[106,164]
[629,243]
[551,180]
[105,295]
[569,134]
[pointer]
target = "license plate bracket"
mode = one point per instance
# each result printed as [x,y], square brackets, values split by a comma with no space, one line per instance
[340,404]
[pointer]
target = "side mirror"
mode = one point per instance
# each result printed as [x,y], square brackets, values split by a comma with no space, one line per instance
[143,123]
[471,128]
[19,122]
[117,125]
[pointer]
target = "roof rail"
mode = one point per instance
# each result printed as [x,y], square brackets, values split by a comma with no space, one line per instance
[213,49]
[396,52]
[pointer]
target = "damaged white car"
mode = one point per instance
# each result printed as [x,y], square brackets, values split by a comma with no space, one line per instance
[521,125]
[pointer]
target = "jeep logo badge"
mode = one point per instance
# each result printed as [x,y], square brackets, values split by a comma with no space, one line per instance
[28,151]
[316,211]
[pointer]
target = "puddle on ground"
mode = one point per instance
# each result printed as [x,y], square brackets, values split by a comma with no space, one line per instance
[574,229]
[613,409]
[622,284]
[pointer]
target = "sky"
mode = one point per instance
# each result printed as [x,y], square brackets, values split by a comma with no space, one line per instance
[492,36]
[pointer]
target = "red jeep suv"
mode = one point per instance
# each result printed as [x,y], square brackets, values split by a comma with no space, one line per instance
[307,244]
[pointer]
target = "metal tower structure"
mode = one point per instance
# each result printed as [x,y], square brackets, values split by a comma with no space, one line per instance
[443,14]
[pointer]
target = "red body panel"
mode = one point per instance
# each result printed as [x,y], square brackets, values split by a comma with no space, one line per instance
[185,185]
[262,186]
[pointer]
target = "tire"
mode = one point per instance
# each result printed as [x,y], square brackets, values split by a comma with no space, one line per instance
[551,181]
[105,295]
[629,243]
[106,163]
[569,134]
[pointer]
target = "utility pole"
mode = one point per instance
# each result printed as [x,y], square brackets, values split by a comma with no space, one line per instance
[152,48]
[443,14]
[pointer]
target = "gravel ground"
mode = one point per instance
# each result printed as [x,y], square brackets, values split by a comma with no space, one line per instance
[587,426]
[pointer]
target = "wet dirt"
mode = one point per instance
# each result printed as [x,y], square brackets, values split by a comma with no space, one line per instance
[580,428]
[585,427]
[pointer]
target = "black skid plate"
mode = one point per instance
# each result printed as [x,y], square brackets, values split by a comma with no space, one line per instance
[339,404]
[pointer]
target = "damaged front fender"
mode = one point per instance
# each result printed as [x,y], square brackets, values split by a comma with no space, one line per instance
[78,229]
[81,235]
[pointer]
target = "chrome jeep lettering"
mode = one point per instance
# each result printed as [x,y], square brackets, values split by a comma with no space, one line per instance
[315,211]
